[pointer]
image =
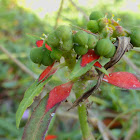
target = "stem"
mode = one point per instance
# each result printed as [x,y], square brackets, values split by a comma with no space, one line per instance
[70,60]
[82,113]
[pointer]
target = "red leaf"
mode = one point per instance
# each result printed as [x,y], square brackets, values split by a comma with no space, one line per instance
[39,43]
[47,72]
[97,64]
[50,137]
[58,94]
[88,57]
[123,80]
[48,47]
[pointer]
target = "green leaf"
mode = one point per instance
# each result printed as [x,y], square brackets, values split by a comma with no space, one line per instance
[33,38]
[103,70]
[39,122]
[7,125]
[33,91]
[78,70]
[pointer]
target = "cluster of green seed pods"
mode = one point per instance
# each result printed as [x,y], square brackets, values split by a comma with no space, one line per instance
[83,42]
[63,41]
[41,55]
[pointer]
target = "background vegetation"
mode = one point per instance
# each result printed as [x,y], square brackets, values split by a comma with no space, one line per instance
[21,18]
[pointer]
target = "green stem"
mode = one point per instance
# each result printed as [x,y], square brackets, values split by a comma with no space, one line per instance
[82,112]
[70,60]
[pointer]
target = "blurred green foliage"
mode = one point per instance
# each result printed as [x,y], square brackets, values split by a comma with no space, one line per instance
[15,23]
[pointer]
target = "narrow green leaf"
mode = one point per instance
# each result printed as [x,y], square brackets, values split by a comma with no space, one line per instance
[102,69]
[33,38]
[30,94]
[39,122]
[78,70]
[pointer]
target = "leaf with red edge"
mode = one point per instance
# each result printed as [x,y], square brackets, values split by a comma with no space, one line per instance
[89,57]
[50,137]
[58,94]
[123,80]
[39,121]
[39,43]
[84,64]
[47,72]
[100,68]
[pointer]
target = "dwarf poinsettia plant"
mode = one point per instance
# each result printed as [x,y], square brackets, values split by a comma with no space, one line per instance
[79,52]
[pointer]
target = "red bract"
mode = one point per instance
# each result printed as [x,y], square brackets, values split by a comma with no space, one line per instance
[88,57]
[50,137]
[97,64]
[58,94]
[39,43]
[47,72]
[123,80]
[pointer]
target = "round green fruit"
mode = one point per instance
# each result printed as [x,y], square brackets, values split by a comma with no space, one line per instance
[47,60]
[135,37]
[81,38]
[111,53]
[36,55]
[93,26]
[105,32]
[67,45]
[102,23]
[64,32]
[53,40]
[81,49]
[92,41]
[103,47]
[56,54]
[95,15]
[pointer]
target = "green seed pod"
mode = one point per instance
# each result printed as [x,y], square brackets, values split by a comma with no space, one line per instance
[104,33]
[95,15]
[111,53]
[81,49]
[92,41]
[103,47]
[102,23]
[56,54]
[53,40]
[36,55]
[81,38]
[67,45]
[93,26]
[64,32]
[47,60]
[135,37]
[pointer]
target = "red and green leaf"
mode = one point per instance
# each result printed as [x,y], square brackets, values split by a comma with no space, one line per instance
[47,72]
[58,94]
[123,80]
[39,121]
[89,57]
[34,91]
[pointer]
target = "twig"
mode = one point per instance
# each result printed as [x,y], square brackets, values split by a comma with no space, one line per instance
[79,9]
[22,66]
[132,130]
[102,130]
[131,64]
[106,134]
[59,12]
[119,116]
